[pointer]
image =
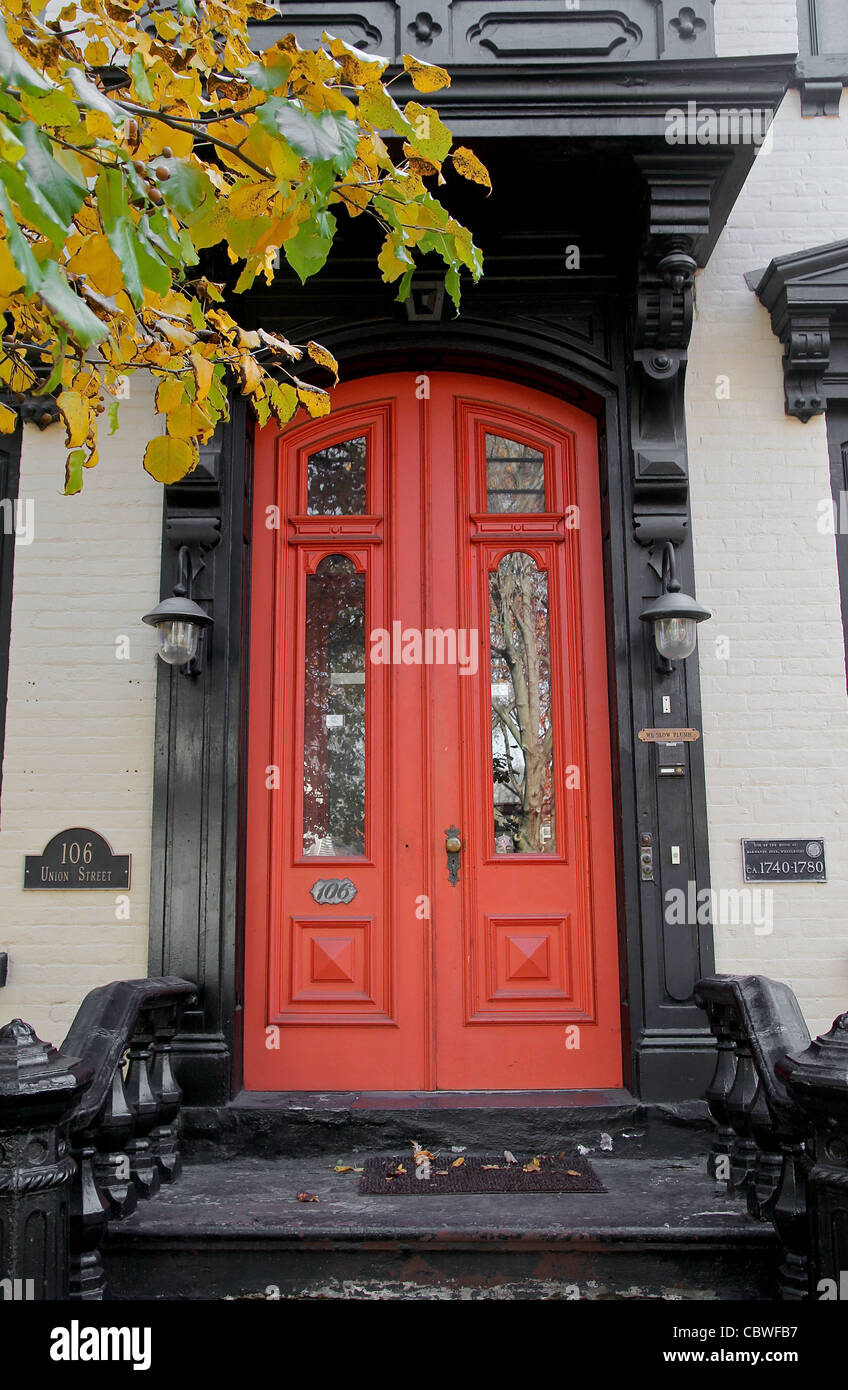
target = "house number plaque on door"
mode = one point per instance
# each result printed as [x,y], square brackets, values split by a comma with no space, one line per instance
[333,890]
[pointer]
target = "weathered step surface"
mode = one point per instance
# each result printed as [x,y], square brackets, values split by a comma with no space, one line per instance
[299,1124]
[236,1229]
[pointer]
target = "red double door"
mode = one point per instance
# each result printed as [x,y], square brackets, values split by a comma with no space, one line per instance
[431,899]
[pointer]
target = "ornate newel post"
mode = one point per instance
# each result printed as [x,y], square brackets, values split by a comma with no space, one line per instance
[37,1090]
[818,1082]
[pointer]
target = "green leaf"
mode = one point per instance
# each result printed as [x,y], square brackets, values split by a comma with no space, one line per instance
[328,136]
[267,79]
[307,251]
[187,188]
[69,309]
[112,415]
[34,208]
[56,375]
[93,98]
[452,286]
[55,186]
[187,9]
[141,82]
[378,107]
[11,147]
[155,275]
[15,71]
[121,233]
[52,109]
[73,472]
[19,246]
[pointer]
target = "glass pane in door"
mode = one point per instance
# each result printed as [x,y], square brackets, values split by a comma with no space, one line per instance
[522,729]
[515,476]
[334,711]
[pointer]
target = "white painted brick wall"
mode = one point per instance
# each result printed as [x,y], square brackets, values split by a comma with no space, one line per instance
[745,27]
[79,724]
[776,713]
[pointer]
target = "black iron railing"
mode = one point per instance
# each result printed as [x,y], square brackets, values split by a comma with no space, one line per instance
[780,1105]
[85,1131]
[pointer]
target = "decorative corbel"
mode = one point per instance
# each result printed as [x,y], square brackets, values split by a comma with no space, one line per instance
[678,219]
[806,294]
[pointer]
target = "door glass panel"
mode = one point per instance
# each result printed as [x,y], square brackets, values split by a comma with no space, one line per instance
[515,476]
[335,479]
[522,732]
[334,711]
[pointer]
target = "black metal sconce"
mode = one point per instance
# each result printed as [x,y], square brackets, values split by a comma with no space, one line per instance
[675,616]
[180,622]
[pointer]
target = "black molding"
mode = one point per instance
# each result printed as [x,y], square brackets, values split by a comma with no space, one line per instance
[10,468]
[822,69]
[459,33]
[806,295]
[195,897]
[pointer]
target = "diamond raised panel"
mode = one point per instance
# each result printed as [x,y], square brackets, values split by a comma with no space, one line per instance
[524,970]
[336,973]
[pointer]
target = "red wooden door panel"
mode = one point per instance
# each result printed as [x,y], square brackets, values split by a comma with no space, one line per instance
[427,651]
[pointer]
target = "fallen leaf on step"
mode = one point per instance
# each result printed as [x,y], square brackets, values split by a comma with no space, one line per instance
[533,1166]
[344,1168]
[573,1173]
[510,1156]
[306,1197]
[488,1167]
[457,1163]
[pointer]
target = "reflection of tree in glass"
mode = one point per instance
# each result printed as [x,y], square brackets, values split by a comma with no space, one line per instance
[334,715]
[522,733]
[515,476]
[335,479]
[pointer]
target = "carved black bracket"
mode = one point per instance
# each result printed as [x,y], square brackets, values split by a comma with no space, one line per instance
[677,223]
[806,295]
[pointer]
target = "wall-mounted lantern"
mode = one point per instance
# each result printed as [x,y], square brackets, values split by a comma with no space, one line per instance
[675,616]
[180,621]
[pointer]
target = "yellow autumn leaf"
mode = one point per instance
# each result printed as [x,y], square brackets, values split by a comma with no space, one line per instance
[177,336]
[96,54]
[202,375]
[250,374]
[283,401]
[188,422]
[10,277]
[252,200]
[393,259]
[8,420]
[169,395]
[74,410]
[324,358]
[457,1163]
[167,459]
[96,260]
[425,76]
[466,163]
[317,402]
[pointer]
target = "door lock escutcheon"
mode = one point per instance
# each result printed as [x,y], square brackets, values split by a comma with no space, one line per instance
[453,847]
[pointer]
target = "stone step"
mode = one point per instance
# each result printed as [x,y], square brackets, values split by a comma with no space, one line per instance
[235,1229]
[301,1125]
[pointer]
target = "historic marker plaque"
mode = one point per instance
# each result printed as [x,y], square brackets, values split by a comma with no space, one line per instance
[669,735]
[77,858]
[784,861]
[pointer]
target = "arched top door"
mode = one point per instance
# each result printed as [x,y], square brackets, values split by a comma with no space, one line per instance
[430,903]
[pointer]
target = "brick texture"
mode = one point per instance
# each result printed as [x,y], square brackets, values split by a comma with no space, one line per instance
[776,711]
[79,724]
[745,27]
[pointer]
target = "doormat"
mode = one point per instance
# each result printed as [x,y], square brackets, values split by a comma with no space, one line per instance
[397,1177]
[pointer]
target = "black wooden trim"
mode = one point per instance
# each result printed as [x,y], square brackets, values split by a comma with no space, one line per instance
[837,438]
[198,841]
[10,467]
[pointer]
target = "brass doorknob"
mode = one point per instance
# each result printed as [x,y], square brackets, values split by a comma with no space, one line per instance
[453,844]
